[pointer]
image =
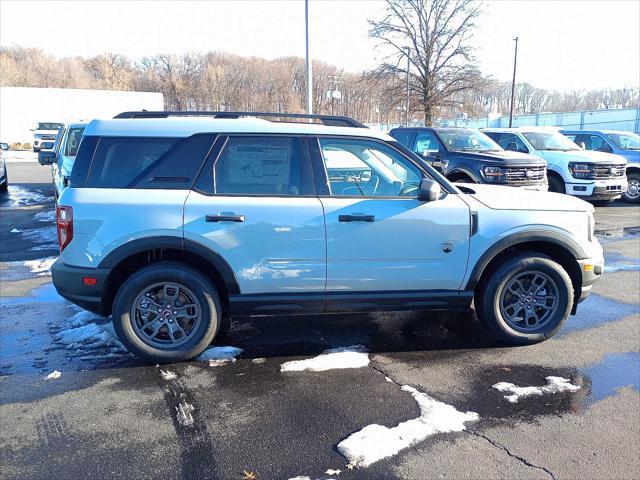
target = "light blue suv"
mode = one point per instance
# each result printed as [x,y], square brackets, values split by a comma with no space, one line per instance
[174,221]
[625,144]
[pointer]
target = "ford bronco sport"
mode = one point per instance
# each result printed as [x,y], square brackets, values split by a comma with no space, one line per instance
[174,221]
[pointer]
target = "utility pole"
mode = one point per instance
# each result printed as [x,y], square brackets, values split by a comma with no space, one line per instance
[335,81]
[308,59]
[406,107]
[513,82]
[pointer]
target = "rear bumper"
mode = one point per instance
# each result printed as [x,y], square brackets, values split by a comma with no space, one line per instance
[591,269]
[70,284]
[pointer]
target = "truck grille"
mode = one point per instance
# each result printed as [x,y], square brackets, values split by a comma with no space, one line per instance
[525,175]
[48,137]
[609,171]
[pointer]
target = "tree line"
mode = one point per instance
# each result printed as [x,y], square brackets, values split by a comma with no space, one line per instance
[223,81]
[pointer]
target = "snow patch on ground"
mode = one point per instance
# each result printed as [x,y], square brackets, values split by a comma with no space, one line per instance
[259,360]
[217,356]
[554,385]
[90,340]
[336,358]
[41,266]
[621,267]
[53,375]
[15,230]
[46,216]
[168,375]
[19,196]
[375,442]
[184,413]
[46,237]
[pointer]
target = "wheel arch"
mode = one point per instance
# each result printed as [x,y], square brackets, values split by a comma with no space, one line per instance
[462,171]
[559,248]
[128,258]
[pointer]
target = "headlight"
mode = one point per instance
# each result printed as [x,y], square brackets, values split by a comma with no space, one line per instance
[582,170]
[493,174]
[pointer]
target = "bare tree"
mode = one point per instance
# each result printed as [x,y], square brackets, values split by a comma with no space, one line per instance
[437,32]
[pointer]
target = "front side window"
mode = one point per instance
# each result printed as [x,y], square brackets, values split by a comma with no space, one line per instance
[73,141]
[403,136]
[360,167]
[464,140]
[553,141]
[263,166]
[426,142]
[599,144]
[512,142]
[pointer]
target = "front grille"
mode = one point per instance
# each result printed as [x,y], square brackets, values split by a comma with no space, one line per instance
[609,171]
[525,175]
[47,137]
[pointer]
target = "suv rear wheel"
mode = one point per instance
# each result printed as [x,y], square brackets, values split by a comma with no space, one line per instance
[166,312]
[526,299]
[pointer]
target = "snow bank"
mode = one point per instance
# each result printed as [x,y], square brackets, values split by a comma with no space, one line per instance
[41,266]
[336,358]
[217,356]
[554,385]
[375,442]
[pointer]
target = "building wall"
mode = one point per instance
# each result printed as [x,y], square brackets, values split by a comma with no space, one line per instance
[21,108]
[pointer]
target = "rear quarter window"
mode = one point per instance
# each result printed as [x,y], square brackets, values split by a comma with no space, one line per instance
[147,162]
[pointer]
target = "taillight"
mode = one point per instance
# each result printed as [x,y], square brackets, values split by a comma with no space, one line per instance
[64,222]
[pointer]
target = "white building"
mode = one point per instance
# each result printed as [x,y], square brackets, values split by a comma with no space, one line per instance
[21,108]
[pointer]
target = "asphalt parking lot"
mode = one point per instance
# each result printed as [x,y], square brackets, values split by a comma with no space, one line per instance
[108,415]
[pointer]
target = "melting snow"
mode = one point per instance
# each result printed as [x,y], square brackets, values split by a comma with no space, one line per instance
[41,266]
[15,230]
[184,412]
[46,236]
[47,216]
[336,358]
[219,355]
[375,442]
[22,196]
[54,374]
[168,375]
[554,385]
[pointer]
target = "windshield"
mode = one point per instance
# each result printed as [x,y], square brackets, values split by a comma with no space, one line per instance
[468,141]
[48,126]
[625,141]
[550,141]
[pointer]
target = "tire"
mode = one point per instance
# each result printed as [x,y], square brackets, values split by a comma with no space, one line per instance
[495,294]
[462,178]
[602,203]
[204,316]
[632,195]
[556,184]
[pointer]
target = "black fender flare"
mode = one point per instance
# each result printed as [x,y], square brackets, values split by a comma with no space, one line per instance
[464,171]
[139,245]
[517,238]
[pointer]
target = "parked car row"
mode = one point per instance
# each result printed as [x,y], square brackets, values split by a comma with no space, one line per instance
[533,157]
[4,179]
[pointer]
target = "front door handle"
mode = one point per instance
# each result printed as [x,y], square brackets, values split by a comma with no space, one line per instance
[225,218]
[356,218]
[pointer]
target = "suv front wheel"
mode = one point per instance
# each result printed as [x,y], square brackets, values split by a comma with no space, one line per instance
[166,312]
[526,299]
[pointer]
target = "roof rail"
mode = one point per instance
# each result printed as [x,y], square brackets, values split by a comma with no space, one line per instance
[328,120]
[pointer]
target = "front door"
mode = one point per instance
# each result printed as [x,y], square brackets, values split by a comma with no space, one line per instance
[261,214]
[380,237]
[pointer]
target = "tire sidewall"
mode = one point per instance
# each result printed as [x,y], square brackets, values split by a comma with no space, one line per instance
[492,297]
[167,272]
[636,200]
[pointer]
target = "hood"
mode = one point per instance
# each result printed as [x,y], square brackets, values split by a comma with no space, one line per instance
[587,156]
[502,157]
[632,156]
[500,197]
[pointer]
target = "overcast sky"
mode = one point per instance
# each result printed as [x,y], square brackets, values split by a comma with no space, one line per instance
[564,45]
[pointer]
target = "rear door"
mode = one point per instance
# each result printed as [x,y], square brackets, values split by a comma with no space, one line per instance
[380,237]
[255,205]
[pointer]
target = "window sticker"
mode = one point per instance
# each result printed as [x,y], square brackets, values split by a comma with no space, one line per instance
[258,165]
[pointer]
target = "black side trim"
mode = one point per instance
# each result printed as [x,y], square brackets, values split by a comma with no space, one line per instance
[177,243]
[311,302]
[473,229]
[517,238]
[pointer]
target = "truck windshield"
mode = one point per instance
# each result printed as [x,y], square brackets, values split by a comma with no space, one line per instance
[468,141]
[554,141]
[48,126]
[625,141]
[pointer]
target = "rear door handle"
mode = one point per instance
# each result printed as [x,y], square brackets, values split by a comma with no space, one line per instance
[356,218]
[225,218]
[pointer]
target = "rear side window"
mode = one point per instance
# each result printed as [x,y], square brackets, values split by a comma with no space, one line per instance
[403,136]
[73,141]
[254,165]
[147,162]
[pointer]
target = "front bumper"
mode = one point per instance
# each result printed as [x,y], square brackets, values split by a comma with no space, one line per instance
[598,189]
[591,269]
[70,284]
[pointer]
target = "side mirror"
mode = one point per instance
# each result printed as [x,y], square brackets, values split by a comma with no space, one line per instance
[46,157]
[429,190]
